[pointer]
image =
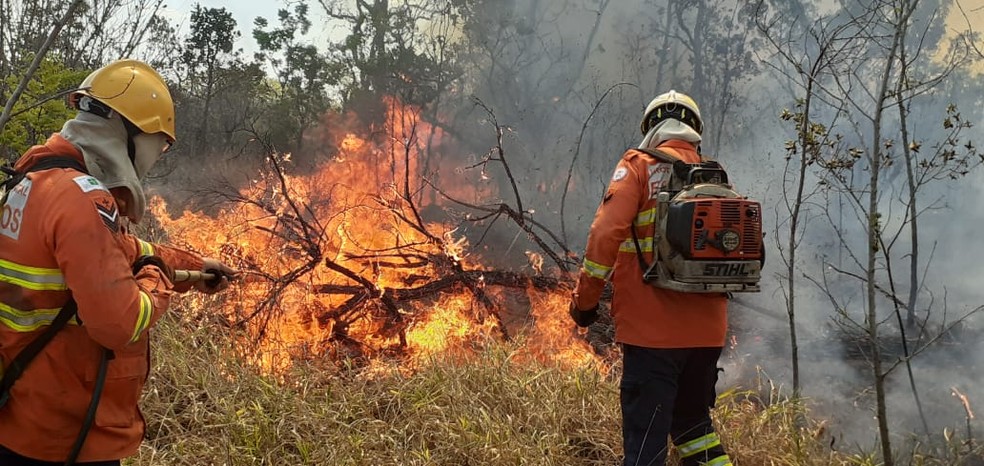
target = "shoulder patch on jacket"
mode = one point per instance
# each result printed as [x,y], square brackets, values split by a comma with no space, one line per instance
[109,214]
[89,183]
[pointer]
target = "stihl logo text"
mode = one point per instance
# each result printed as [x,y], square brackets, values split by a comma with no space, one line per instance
[726,270]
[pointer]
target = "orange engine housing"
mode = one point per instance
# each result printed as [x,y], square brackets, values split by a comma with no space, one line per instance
[715,228]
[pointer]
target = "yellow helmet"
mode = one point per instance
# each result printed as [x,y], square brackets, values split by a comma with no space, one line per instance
[675,105]
[134,90]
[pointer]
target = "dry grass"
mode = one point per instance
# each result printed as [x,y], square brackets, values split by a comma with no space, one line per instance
[204,406]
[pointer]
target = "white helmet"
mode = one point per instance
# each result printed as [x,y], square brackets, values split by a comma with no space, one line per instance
[675,105]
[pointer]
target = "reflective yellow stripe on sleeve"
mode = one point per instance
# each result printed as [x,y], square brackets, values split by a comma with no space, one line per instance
[28,321]
[32,278]
[596,270]
[143,316]
[146,249]
[646,244]
[698,445]
[646,217]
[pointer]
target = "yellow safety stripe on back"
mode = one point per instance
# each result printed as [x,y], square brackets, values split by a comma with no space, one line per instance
[596,270]
[698,445]
[722,460]
[28,321]
[646,217]
[143,316]
[32,278]
[646,244]
[146,249]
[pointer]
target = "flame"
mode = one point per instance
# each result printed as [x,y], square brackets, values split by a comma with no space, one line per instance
[536,261]
[284,230]
[454,248]
[447,327]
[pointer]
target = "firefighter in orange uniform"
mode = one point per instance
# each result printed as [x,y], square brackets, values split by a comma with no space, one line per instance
[68,264]
[670,340]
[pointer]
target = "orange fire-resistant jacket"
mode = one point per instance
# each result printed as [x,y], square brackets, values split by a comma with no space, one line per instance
[644,315]
[61,233]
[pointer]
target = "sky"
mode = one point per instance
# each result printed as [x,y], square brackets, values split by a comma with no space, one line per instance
[243,11]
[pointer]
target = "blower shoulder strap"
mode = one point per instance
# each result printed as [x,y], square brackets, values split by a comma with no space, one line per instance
[643,265]
[44,163]
[663,156]
[680,169]
[658,155]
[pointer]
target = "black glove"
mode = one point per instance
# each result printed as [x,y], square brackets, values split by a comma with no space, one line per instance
[583,318]
[156,261]
[218,276]
[222,272]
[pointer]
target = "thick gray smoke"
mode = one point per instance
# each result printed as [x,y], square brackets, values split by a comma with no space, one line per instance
[570,79]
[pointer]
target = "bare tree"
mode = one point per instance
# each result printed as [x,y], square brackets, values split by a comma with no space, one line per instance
[807,73]
[863,67]
[704,46]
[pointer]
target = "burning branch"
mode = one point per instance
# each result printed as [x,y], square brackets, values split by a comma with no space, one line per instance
[494,211]
[364,263]
[964,402]
[501,157]
[519,215]
[966,406]
[479,277]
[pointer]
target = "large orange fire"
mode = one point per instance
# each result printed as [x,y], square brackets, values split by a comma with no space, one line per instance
[331,256]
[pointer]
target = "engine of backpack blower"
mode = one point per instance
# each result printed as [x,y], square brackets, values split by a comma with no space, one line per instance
[709,237]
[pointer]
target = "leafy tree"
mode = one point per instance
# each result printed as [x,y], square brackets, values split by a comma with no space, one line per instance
[398,49]
[35,115]
[303,76]
[208,49]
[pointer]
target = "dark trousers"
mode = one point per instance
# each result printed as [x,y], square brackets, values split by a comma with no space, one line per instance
[9,458]
[669,392]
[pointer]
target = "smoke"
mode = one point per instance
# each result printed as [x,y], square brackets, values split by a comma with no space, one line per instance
[581,75]
[566,82]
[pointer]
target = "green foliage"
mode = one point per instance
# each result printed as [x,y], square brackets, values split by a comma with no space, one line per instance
[303,73]
[211,73]
[389,54]
[213,34]
[33,121]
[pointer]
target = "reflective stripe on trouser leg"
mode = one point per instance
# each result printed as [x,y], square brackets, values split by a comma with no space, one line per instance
[704,450]
[698,445]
